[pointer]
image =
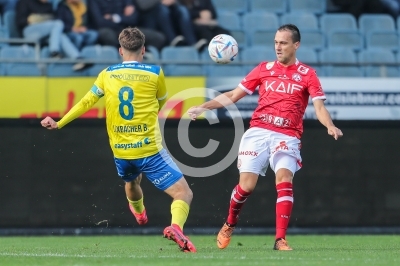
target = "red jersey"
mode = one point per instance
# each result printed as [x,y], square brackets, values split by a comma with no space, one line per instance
[284,93]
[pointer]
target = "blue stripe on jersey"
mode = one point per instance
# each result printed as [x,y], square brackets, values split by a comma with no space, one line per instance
[151,68]
[97,91]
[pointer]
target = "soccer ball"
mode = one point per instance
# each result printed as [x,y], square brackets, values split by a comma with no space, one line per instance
[223,49]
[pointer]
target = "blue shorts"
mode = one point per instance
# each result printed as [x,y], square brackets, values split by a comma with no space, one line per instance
[159,169]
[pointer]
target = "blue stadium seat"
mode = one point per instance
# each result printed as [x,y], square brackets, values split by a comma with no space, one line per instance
[278,7]
[237,6]
[398,23]
[3,35]
[338,21]
[60,69]
[181,55]
[229,20]
[304,21]
[19,69]
[99,53]
[314,39]
[314,6]
[343,56]
[264,37]
[233,22]
[10,25]
[351,39]
[379,56]
[254,21]
[217,70]
[152,54]
[371,22]
[307,56]
[383,39]
[252,56]
[240,37]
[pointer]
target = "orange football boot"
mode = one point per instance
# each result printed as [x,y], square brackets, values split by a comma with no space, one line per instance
[224,236]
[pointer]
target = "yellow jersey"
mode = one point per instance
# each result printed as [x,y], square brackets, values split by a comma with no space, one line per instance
[134,92]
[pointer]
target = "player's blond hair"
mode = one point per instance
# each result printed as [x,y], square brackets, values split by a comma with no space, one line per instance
[131,39]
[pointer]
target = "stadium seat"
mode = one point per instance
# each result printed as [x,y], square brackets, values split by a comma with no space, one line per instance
[338,21]
[217,70]
[314,6]
[60,69]
[10,25]
[182,55]
[314,39]
[20,52]
[307,56]
[232,21]
[237,6]
[351,39]
[398,23]
[264,37]
[100,53]
[304,21]
[371,22]
[3,35]
[277,7]
[254,21]
[152,55]
[240,37]
[332,57]
[379,56]
[229,20]
[383,39]
[252,56]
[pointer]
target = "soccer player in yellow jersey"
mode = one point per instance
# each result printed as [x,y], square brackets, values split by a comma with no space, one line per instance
[134,93]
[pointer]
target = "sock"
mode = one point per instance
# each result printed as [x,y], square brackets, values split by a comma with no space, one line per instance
[238,198]
[284,204]
[180,212]
[137,205]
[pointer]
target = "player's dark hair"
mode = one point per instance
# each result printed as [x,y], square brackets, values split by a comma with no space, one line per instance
[293,29]
[131,39]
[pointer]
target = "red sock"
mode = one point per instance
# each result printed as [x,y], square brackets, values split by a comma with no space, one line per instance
[284,204]
[238,198]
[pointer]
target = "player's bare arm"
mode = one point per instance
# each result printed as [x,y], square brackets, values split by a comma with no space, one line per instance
[325,118]
[221,100]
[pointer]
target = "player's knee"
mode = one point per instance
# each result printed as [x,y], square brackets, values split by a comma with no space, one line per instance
[283,175]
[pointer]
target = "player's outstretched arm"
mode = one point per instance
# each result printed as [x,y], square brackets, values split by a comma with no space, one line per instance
[221,100]
[76,111]
[325,118]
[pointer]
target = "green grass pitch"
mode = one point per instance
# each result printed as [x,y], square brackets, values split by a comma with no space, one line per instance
[243,250]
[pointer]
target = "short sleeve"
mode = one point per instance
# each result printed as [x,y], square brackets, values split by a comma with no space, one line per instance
[252,80]
[161,87]
[315,88]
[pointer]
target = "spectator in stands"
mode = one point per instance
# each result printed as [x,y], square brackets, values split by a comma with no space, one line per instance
[181,22]
[359,7]
[204,17]
[73,15]
[393,7]
[7,5]
[35,20]
[109,18]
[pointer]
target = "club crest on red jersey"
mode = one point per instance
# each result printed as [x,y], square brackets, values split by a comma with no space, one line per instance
[270,65]
[296,77]
[302,69]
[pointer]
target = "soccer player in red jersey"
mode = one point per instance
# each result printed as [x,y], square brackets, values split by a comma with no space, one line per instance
[275,129]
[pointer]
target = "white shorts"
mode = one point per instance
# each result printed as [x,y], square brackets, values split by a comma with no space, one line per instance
[260,147]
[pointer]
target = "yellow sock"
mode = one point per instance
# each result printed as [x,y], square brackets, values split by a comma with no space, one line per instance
[137,205]
[180,212]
